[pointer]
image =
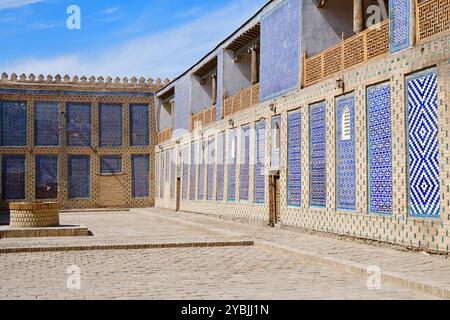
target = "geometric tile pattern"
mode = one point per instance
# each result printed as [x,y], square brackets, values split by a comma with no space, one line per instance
[173,170]
[318,165]
[400,25]
[345,153]
[139,125]
[79,125]
[232,151]
[13,177]
[280,50]
[46,124]
[201,172]
[79,178]
[294,158]
[220,166]
[140,170]
[167,166]
[46,183]
[245,163]
[211,162]
[161,175]
[193,173]
[185,172]
[111,164]
[276,143]
[13,123]
[260,166]
[157,175]
[423,151]
[380,148]
[110,125]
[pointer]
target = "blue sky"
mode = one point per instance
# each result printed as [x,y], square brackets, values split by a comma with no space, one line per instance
[150,38]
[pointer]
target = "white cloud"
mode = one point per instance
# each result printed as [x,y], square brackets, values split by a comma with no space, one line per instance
[161,54]
[110,10]
[10,4]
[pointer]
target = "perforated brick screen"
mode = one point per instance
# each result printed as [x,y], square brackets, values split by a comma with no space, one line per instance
[79,177]
[140,166]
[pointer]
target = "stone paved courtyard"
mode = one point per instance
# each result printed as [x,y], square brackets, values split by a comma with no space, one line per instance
[251,272]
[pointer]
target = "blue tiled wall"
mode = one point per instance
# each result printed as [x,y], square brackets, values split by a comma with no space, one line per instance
[280,50]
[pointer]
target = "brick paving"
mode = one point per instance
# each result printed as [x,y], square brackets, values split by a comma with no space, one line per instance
[280,266]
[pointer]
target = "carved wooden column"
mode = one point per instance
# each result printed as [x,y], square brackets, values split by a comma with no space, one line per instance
[255,69]
[214,88]
[358,16]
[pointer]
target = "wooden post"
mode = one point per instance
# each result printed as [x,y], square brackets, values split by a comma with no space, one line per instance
[358,16]
[214,88]
[255,71]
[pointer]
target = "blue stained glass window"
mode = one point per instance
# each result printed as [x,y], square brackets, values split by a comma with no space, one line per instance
[110,125]
[13,177]
[111,164]
[46,177]
[13,118]
[46,124]
[139,125]
[79,125]
[140,166]
[79,177]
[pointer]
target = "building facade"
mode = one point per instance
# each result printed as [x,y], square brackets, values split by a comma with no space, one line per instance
[85,143]
[288,122]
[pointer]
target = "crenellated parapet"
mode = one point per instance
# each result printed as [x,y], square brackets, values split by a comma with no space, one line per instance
[134,83]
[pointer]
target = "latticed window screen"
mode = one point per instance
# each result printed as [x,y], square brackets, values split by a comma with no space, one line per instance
[232,154]
[173,179]
[260,176]
[185,172]
[79,125]
[294,158]
[140,166]
[79,177]
[201,172]
[211,162]
[194,150]
[13,123]
[46,177]
[13,177]
[111,164]
[110,125]
[245,163]
[46,124]
[220,166]
[157,164]
[139,125]
[161,175]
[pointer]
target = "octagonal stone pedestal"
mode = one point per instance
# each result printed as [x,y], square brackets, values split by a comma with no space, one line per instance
[34,215]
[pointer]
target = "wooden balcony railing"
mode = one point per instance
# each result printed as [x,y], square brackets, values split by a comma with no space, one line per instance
[206,117]
[364,46]
[432,18]
[245,99]
[165,135]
